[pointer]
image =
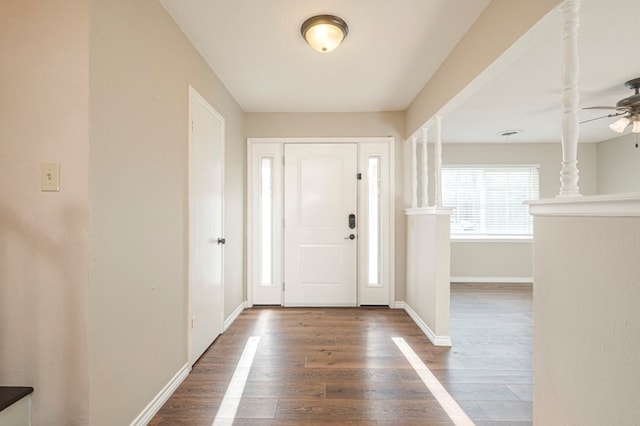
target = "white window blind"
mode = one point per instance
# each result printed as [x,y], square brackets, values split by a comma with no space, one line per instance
[488,200]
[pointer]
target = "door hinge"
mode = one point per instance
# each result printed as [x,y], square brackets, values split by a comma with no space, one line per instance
[282,223]
[193,127]
[359,176]
[282,286]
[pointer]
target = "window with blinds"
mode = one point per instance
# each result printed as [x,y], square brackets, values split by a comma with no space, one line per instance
[488,200]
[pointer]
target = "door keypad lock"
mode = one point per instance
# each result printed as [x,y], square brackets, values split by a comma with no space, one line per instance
[352,225]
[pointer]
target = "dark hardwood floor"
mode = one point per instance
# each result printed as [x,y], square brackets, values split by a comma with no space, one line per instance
[339,366]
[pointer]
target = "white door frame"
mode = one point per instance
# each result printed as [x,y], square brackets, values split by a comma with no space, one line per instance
[273,148]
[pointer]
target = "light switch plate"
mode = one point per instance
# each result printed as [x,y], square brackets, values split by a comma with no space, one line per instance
[50,177]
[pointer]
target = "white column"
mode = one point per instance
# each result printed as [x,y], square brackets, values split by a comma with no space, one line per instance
[570,98]
[424,168]
[438,161]
[414,173]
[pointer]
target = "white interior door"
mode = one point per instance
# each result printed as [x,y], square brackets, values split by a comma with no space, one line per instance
[320,192]
[206,174]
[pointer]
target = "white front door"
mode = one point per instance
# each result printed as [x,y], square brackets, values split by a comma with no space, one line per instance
[320,243]
[206,173]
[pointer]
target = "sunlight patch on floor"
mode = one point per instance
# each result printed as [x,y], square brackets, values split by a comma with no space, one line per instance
[227,411]
[448,404]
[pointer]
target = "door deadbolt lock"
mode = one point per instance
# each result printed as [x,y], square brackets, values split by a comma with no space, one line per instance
[352,221]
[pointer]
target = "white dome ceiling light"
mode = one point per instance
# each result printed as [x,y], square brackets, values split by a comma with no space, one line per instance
[324,32]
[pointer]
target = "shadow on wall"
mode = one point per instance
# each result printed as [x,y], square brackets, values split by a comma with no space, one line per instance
[43,310]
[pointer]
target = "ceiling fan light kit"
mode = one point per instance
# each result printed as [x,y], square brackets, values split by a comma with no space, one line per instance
[629,107]
[324,32]
[619,125]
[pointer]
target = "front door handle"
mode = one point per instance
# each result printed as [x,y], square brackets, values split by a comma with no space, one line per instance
[350,237]
[222,241]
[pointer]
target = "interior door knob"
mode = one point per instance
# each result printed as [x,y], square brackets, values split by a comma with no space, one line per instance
[350,237]
[222,241]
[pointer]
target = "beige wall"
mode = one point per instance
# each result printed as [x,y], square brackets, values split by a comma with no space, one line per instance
[265,125]
[141,65]
[512,259]
[44,74]
[618,165]
[491,261]
[105,257]
[586,321]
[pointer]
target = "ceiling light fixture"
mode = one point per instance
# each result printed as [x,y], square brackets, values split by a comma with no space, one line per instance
[636,125]
[324,32]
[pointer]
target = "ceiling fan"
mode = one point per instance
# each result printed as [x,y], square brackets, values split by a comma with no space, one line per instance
[628,108]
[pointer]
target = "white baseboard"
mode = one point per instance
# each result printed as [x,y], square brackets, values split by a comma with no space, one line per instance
[234,315]
[497,280]
[156,403]
[397,305]
[436,340]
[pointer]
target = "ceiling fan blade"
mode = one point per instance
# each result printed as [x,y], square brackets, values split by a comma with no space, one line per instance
[625,108]
[604,116]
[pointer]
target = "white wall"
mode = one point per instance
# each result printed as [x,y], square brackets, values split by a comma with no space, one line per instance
[428,289]
[141,66]
[619,165]
[505,260]
[586,321]
[44,92]
[264,125]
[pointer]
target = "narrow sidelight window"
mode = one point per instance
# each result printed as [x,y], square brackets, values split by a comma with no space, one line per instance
[374,233]
[266,221]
